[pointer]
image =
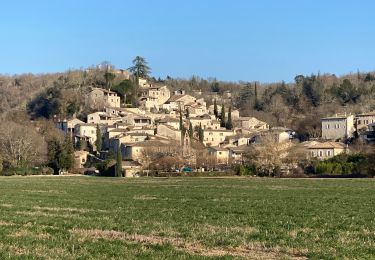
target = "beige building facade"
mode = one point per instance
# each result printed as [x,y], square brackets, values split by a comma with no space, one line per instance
[326,150]
[338,127]
[101,98]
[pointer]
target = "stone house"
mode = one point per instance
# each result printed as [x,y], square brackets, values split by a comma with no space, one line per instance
[326,150]
[143,83]
[368,136]
[169,132]
[177,102]
[205,121]
[362,121]
[131,168]
[102,118]
[213,137]
[125,138]
[101,98]
[86,132]
[276,136]
[251,123]
[170,121]
[338,127]
[196,109]
[154,97]
[137,120]
[124,111]
[68,126]
[136,151]
[237,154]
[80,159]
[219,154]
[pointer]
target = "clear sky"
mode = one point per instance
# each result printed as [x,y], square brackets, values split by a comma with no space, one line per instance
[265,40]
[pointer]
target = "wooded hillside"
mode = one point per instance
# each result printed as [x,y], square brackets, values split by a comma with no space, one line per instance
[298,105]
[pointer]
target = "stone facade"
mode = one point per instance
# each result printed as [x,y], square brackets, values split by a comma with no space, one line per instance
[338,127]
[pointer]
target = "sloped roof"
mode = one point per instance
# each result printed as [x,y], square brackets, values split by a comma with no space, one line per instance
[372,113]
[175,98]
[328,145]
[217,148]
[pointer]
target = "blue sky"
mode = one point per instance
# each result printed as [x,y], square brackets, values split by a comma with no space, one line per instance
[265,40]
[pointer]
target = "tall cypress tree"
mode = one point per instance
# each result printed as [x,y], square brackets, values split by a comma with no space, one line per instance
[181,122]
[118,169]
[191,130]
[200,133]
[98,141]
[216,113]
[229,124]
[222,116]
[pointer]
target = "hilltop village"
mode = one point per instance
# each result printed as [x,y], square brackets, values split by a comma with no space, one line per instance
[172,131]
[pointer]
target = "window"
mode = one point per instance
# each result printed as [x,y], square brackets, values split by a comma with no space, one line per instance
[83,160]
[212,139]
[359,122]
[220,153]
[92,131]
[221,134]
[320,153]
[327,126]
[328,153]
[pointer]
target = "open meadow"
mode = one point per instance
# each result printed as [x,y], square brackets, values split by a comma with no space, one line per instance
[186,218]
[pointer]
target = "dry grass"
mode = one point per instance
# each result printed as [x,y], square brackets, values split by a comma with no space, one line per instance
[248,251]
[144,197]
[210,229]
[73,210]
[6,223]
[28,233]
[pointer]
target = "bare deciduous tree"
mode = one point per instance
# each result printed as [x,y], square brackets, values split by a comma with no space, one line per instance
[21,145]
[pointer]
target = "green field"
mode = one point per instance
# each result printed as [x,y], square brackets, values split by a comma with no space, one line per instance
[109,218]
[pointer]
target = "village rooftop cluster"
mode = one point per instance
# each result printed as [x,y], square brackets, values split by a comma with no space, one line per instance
[191,133]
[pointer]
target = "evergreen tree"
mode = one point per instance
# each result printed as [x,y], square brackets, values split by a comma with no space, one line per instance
[187,113]
[109,77]
[140,69]
[61,154]
[81,145]
[200,133]
[229,124]
[53,150]
[118,169]
[191,130]
[66,155]
[245,98]
[216,113]
[99,141]
[222,116]
[181,121]
[126,90]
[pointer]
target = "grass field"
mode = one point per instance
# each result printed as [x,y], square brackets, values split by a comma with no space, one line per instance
[178,218]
